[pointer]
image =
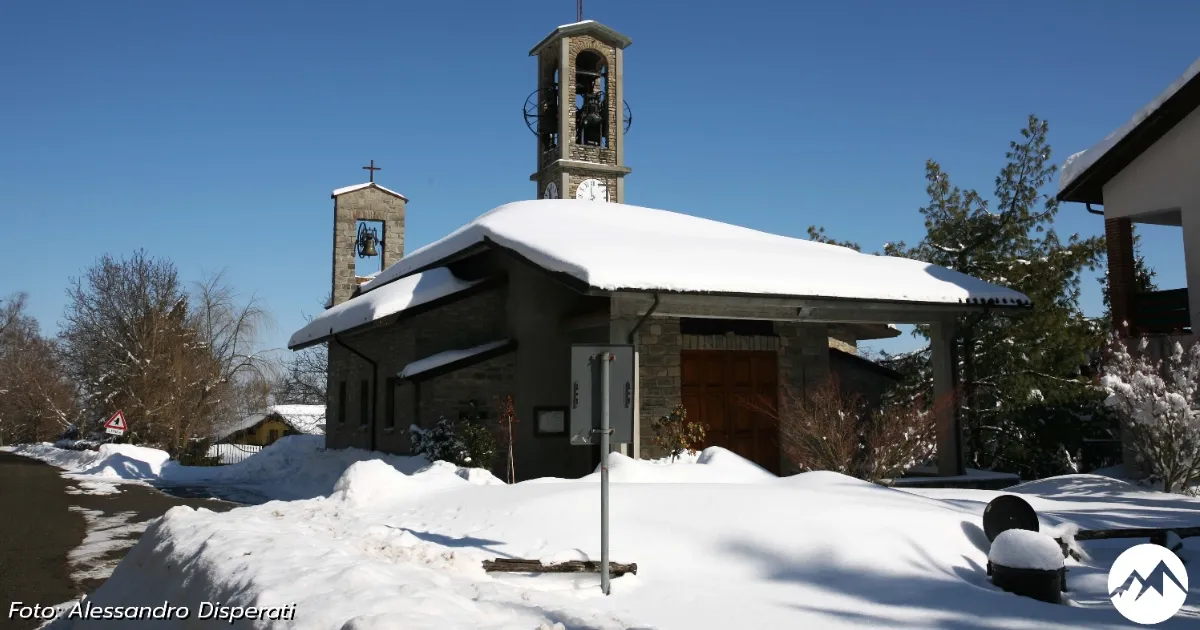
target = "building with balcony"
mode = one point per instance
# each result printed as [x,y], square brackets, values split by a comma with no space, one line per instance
[1147,171]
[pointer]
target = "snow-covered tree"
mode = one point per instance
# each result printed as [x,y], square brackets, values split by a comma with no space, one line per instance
[1157,401]
[174,361]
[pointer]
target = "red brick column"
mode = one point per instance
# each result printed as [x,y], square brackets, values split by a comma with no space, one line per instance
[1118,235]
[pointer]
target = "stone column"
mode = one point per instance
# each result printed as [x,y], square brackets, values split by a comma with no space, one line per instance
[1118,236]
[945,400]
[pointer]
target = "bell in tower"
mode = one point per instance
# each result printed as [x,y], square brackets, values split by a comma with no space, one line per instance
[578,113]
[591,113]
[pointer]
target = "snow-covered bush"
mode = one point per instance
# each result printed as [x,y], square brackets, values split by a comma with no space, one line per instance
[1157,401]
[463,443]
[826,428]
[675,435]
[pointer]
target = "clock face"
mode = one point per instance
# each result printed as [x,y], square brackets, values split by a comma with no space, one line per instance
[591,190]
[551,191]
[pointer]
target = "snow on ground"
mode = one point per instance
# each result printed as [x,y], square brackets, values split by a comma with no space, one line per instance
[718,544]
[294,467]
[92,486]
[93,558]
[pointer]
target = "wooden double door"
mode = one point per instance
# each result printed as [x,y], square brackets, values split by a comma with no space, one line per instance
[734,393]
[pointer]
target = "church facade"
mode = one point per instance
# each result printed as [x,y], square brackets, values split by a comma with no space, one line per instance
[717,313]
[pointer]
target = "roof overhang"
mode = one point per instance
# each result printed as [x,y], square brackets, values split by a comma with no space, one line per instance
[499,349]
[479,287]
[802,309]
[586,27]
[1088,186]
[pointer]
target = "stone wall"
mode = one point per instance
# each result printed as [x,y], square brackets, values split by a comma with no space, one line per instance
[601,155]
[660,375]
[366,204]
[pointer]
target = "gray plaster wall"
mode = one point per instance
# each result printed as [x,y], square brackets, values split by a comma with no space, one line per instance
[537,306]
[474,320]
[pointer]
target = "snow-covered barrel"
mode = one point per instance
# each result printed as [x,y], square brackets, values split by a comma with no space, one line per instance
[1028,563]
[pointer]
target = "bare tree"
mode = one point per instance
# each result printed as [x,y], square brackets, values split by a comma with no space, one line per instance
[304,375]
[37,402]
[135,340]
[229,331]
[826,428]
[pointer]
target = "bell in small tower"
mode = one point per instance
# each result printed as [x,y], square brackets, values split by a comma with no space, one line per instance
[367,241]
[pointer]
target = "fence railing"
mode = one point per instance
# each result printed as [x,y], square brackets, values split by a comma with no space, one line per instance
[1161,311]
[232,453]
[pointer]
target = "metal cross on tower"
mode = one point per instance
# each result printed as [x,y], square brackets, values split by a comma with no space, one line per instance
[371,169]
[578,10]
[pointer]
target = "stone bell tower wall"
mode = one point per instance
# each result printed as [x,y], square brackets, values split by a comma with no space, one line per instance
[370,203]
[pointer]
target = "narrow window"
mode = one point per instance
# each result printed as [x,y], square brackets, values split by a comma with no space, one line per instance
[273,435]
[341,410]
[389,420]
[364,401]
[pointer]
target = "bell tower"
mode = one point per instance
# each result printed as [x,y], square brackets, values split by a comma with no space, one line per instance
[578,113]
[368,234]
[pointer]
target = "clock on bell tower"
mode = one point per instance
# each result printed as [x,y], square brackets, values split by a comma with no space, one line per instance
[579,114]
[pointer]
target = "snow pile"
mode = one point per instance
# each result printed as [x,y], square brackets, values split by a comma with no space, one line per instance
[818,550]
[612,246]
[110,461]
[712,465]
[294,467]
[1023,549]
[1075,165]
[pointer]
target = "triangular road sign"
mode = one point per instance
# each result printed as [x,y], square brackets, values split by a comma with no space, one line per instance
[116,424]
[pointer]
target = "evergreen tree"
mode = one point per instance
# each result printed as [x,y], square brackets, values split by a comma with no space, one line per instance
[1026,401]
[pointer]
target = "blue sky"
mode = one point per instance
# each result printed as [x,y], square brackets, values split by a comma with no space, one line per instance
[213,132]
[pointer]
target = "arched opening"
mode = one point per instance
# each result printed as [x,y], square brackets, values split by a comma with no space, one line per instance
[591,99]
[548,111]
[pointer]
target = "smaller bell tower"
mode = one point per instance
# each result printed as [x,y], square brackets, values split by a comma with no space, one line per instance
[368,227]
[578,113]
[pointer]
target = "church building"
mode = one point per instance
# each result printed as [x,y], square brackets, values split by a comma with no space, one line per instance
[716,312]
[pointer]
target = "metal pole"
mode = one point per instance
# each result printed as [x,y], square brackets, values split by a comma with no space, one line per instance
[605,357]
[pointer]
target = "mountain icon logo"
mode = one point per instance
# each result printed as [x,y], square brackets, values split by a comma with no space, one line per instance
[1148,584]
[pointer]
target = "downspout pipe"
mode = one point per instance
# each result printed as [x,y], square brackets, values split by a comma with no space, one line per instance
[636,327]
[1089,209]
[374,385]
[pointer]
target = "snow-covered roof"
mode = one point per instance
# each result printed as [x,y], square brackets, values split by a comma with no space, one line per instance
[446,358]
[1077,164]
[579,28]
[615,247]
[349,189]
[398,296]
[307,419]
